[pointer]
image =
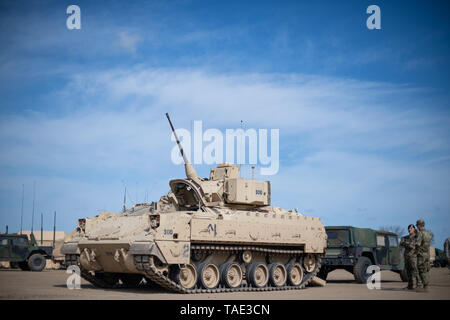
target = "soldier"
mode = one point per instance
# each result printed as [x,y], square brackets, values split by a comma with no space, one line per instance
[409,242]
[423,254]
[447,251]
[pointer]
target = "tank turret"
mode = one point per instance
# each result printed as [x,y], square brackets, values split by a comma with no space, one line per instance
[223,188]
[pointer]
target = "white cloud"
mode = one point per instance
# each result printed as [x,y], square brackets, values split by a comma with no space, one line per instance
[128,41]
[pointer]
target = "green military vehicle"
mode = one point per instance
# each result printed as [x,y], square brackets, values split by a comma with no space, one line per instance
[23,252]
[355,249]
[441,259]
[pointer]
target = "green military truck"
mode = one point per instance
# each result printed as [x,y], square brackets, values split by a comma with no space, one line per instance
[355,249]
[441,259]
[23,252]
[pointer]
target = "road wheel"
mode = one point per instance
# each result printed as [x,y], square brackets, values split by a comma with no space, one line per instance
[13,265]
[309,262]
[208,275]
[277,274]
[186,276]
[360,268]
[294,274]
[231,274]
[36,262]
[258,274]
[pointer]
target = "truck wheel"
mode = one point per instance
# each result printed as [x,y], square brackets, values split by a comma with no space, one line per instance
[360,268]
[36,262]
[404,275]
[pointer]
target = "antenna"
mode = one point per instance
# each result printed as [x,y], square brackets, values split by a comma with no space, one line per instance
[21,211]
[239,146]
[125,200]
[32,214]
[145,195]
[42,228]
[54,229]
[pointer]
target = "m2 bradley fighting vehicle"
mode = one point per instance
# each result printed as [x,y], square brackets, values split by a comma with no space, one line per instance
[207,235]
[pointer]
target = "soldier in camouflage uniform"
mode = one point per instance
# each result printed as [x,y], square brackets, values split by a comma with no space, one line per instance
[423,254]
[409,242]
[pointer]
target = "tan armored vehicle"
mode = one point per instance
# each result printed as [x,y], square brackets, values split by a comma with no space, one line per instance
[207,235]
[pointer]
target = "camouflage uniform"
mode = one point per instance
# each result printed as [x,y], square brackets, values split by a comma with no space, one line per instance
[423,255]
[409,242]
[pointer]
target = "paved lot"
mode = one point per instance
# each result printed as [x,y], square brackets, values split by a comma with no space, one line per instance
[340,285]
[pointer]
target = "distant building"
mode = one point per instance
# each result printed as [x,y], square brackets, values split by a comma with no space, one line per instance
[47,236]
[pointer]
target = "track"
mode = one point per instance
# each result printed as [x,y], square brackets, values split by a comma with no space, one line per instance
[145,263]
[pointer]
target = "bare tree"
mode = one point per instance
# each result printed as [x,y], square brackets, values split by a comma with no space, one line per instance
[395,229]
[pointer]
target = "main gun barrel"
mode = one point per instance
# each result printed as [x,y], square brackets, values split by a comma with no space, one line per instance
[178,141]
[190,171]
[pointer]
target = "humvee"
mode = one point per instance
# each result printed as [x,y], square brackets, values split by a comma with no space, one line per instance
[23,252]
[355,249]
[441,259]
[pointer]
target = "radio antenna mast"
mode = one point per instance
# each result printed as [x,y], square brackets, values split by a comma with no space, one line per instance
[125,200]
[21,211]
[42,228]
[54,229]
[32,213]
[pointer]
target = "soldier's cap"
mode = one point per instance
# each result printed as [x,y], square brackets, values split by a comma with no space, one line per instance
[420,222]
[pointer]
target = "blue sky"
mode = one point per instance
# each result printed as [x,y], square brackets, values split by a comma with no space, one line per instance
[363,114]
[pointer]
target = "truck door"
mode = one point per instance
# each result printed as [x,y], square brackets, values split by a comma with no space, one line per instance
[19,249]
[394,250]
[382,249]
[5,252]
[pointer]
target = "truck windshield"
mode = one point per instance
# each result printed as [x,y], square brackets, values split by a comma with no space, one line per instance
[338,237]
